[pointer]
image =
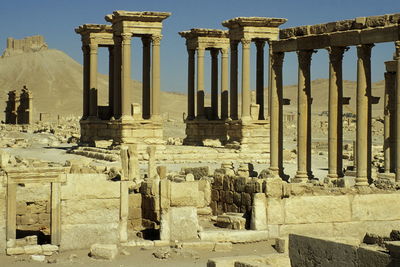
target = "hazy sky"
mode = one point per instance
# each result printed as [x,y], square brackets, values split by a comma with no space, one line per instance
[56,20]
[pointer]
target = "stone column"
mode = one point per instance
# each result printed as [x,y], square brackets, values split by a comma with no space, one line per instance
[200,83]
[146,73]
[303,120]
[155,66]
[214,83]
[126,76]
[390,122]
[363,115]
[246,97]
[117,77]
[224,83]
[93,81]
[335,113]
[111,82]
[191,78]
[260,78]
[234,81]
[276,114]
[397,58]
[86,78]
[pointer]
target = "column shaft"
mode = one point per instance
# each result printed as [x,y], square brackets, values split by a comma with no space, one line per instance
[93,81]
[155,66]
[200,83]
[117,77]
[214,83]
[260,78]
[224,84]
[276,114]
[303,119]
[389,122]
[86,78]
[126,76]
[234,81]
[146,74]
[397,57]
[191,78]
[246,97]
[363,115]
[111,82]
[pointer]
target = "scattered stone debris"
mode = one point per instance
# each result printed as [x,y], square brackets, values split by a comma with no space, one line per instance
[103,251]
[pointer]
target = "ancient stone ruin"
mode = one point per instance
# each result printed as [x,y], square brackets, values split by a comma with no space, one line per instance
[28,44]
[19,107]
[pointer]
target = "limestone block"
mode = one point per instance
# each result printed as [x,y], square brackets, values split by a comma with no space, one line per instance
[239,236]
[184,220]
[104,251]
[79,236]
[205,186]
[33,249]
[39,258]
[184,194]
[90,211]
[259,212]
[359,229]
[135,200]
[195,245]
[15,251]
[275,211]
[315,229]
[246,199]
[234,221]
[81,187]
[377,207]
[223,247]
[200,199]
[49,248]
[273,187]
[313,209]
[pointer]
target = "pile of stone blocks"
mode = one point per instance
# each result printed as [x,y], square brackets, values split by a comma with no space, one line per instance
[29,246]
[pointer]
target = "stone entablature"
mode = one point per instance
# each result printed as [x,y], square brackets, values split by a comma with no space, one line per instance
[99,34]
[206,38]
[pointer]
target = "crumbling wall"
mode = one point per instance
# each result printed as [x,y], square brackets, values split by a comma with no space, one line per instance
[25,45]
[90,206]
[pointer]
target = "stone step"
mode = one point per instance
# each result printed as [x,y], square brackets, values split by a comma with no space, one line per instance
[236,236]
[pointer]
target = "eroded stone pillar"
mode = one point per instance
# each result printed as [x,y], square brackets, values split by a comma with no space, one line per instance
[117,77]
[191,78]
[146,73]
[93,81]
[86,78]
[397,58]
[155,66]
[224,84]
[260,78]
[389,122]
[126,76]
[246,97]
[363,135]
[335,149]
[111,82]
[234,81]
[200,83]
[303,120]
[214,83]
[275,168]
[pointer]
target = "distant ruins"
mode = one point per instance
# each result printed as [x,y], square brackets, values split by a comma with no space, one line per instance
[28,44]
[19,107]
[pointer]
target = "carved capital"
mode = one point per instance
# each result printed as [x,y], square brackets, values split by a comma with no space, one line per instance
[277,59]
[224,52]
[191,52]
[304,57]
[85,49]
[397,47]
[234,45]
[93,48]
[146,41]
[214,53]
[126,38]
[200,51]
[245,42]
[364,51]
[260,44]
[336,53]
[156,39]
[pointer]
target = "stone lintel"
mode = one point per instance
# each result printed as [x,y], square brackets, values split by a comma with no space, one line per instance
[240,22]
[144,16]
[391,66]
[206,38]
[99,34]
[93,28]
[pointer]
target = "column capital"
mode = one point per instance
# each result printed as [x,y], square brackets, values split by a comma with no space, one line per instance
[336,53]
[191,52]
[245,42]
[397,47]
[126,38]
[224,52]
[146,41]
[200,51]
[304,57]
[277,58]
[364,51]
[234,44]
[260,44]
[85,49]
[93,48]
[156,39]
[214,53]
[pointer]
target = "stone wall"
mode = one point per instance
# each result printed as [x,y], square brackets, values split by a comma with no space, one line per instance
[135,212]
[3,214]
[90,205]
[27,44]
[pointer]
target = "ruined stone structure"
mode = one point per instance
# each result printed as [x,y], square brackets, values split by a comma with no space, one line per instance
[19,107]
[28,44]
[335,37]
[123,121]
[250,129]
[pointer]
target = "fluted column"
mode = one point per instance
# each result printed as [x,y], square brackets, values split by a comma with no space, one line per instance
[234,81]
[200,83]
[214,83]
[276,114]
[303,119]
[93,81]
[117,77]
[111,82]
[389,122]
[155,66]
[146,74]
[86,78]
[397,58]
[224,83]
[126,76]
[335,113]
[191,78]
[246,97]
[363,140]
[260,78]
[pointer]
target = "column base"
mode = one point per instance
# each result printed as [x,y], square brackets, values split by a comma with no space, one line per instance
[361,181]
[126,118]
[300,177]
[92,118]
[156,117]
[274,172]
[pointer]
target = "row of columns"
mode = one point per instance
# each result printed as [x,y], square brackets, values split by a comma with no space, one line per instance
[120,86]
[225,98]
[335,144]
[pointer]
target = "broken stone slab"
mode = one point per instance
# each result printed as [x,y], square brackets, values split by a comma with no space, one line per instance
[33,249]
[15,251]
[394,248]
[139,243]
[239,236]
[39,258]
[48,249]
[223,247]
[231,220]
[104,251]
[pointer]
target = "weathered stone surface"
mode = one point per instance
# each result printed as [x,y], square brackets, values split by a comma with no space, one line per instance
[376,207]
[359,229]
[369,257]
[314,209]
[90,211]
[39,258]
[15,251]
[240,236]
[275,211]
[184,194]
[314,229]
[234,221]
[104,251]
[223,247]
[259,212]
[185,224]
[33,249]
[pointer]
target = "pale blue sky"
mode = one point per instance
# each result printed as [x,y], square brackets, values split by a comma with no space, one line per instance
[56,20]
